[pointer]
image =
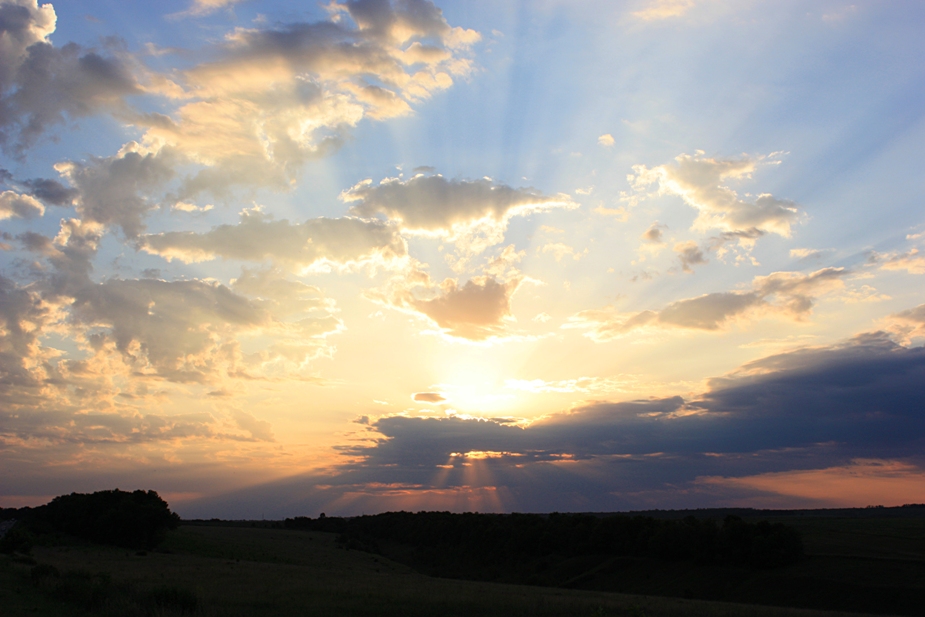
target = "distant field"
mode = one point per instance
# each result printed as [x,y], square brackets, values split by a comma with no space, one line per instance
[866,564]
[877,538]
[244,571]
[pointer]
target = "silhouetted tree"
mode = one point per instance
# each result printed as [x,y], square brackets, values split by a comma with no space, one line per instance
[136,519]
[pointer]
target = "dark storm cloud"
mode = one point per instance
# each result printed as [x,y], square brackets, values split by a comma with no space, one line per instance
[810,409]
[865,395]
[806,409]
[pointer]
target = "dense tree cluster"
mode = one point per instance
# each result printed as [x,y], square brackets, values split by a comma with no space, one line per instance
[444,540]
[135,520]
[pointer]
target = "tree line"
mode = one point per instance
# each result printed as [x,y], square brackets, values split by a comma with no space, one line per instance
[136,520]
[446,541]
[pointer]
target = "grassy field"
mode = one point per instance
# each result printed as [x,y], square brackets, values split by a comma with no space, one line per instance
[257,571]
[878,538]
[874,565]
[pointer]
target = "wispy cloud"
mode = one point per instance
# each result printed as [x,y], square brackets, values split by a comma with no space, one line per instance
[200,8]
[655,10]
[788,294]
[701,182]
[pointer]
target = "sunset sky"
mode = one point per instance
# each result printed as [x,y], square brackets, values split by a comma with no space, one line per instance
[279,258]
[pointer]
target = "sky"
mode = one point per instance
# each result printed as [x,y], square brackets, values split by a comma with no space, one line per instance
[281,258]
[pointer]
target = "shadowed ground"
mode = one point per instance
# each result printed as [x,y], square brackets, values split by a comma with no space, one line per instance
[244,571]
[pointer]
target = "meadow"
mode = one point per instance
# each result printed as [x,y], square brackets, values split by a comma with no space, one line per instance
[256,568]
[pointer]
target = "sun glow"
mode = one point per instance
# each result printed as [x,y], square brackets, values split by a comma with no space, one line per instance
[474,381]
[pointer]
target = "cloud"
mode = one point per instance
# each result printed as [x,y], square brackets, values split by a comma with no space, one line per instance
[559,251]
[856,394]
[72,428]
[475,311]
[478,310]
[180,330]
[113,190]
[200,8]
[14,205]
[840,14]
[621,214]
[190,330]
[22,316]
[580,384]
[184,206]
[456,209]
[281,297]
[69,426]
[689,254]
[816,415]
[653,240]
[606,140]
[51,191]
[807,254]
[875,481]
[789,294]
[428,397]
[807,410]
[739,242]
[655,234]
[43,85]
[259,429]
[663,9]
[909,324]
[23,23]
[185,330]
[504,266]
[700,182]
[910,261]
[708,312]
[314,243]
[268,99]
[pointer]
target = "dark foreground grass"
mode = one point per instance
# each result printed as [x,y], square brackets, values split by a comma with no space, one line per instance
[234,571]
[43,589]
